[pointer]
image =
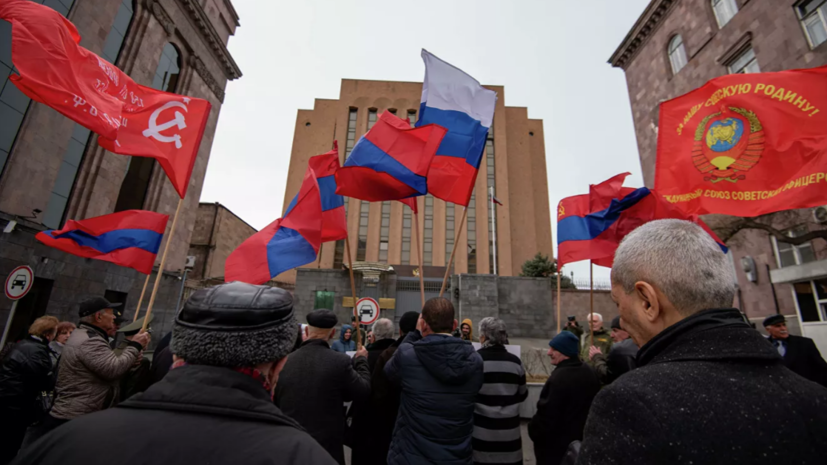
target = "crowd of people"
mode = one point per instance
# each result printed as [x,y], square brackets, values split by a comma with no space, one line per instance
[679,377]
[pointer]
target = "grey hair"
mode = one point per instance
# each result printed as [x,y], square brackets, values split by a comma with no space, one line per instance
[383,329]
[494,330]
[679,259]
[599,316]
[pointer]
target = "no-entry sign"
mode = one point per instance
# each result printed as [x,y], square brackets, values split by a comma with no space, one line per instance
[19,282]
[366,310]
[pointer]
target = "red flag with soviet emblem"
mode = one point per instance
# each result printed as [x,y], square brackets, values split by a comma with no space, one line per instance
[129,118]
[746,144]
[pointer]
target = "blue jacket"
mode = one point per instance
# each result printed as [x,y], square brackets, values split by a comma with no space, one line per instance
[344,346]
[440,377]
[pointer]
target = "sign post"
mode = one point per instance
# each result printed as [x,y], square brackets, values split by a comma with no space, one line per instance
[18,284]
[366,311]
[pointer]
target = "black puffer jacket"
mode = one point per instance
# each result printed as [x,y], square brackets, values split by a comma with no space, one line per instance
[440,377]
[708,389]
[25,372]
[195,415]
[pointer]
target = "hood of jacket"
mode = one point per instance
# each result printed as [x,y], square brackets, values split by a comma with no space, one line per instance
[449,359]
[714,335]
[468,322]
[342,334]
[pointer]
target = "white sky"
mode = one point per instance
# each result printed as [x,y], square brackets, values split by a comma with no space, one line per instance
[549,54]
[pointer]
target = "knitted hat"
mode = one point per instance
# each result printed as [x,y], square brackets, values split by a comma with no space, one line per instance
[566,343]
[235,325]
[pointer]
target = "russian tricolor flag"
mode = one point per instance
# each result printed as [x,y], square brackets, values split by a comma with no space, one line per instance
[129,238]
[591,226]
[390,162]
[456,101]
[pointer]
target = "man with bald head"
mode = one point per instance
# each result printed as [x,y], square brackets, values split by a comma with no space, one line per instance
[708,387]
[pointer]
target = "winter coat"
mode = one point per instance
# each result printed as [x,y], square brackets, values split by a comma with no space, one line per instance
[25,372]
[384,401]
[708,389]
[802,356]
[313,387]
[621,359]
[440,377]
[365,415]
[345,346]
[197,414]
[90,372]
[497,415]
[562,410]
[602,340]
[376,349]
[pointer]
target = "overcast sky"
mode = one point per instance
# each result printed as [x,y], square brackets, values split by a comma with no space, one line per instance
[549,54]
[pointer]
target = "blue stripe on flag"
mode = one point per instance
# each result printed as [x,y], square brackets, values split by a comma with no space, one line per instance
[586,228]
[465,137]
[114,240]
[367,155]
[287,250]
[327,189]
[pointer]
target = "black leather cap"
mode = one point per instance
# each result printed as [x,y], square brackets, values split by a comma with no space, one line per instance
[322,318]
[95,304]
[774,320]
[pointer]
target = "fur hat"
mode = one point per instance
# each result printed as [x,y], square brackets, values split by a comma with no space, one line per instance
[235,325]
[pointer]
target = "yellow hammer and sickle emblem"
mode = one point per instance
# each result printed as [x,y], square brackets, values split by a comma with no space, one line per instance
[561,211]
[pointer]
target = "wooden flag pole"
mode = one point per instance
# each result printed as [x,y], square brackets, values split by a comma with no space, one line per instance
[161,267]
[419,257]
[591,300]
[558,299]
[353,291]
[141,299]
[453,252]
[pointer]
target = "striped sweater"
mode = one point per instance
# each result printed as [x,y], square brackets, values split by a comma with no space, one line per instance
[496,436]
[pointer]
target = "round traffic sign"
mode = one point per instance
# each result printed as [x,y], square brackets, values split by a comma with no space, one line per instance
[19,282]
[367,310]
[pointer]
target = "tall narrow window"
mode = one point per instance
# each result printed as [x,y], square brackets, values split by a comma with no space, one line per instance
[406,235]
[428,234]
[339,248]
[384,231]
[492,222]
[351,131]
[677,54]
[813,17]
[412,117]
[62,190]
[364,213]
[724,10]
[745,63]
[371,118]
[449,231]
[472,233]
[139,170]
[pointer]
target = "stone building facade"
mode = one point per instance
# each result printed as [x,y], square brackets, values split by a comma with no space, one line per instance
[217,232]
[514,165]
[678,45]
[52,169]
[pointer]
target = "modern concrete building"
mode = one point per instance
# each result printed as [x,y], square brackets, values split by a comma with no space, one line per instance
[52,169]
[676,46]
[514,166]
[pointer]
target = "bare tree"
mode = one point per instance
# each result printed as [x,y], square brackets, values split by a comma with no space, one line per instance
[774,224]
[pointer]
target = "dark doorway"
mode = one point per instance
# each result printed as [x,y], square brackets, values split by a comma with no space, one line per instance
[135,184]
[30,308]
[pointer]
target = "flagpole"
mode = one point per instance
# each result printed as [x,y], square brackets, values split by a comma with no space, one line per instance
[353,291]
[591,300]
[558,299]
[141,299]
[453,251]
[419,257]
[161,267]
[493,228]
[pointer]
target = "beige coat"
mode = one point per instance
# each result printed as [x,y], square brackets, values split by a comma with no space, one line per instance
[89,373]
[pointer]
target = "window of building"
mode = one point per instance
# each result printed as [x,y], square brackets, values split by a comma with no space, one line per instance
[351,131]
[492,222]
[811,299]
[677,54]
[53,216]
[339,248]
[412,117]
[13,103]
[791,255]
[406,235]
[449,231]
[139,169]
[392,110]
[813,16]
[471,227]
[371,118]
[724,10]
[384,231]
[745,63]
[324,299]
[364,213]
[428,234]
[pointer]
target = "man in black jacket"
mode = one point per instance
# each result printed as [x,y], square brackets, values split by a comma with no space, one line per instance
[317,381]
[564,401]
[708,387]
[214,406]
[800,354]
[440,377]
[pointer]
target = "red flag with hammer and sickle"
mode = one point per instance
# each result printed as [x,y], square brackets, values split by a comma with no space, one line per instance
[129,118]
